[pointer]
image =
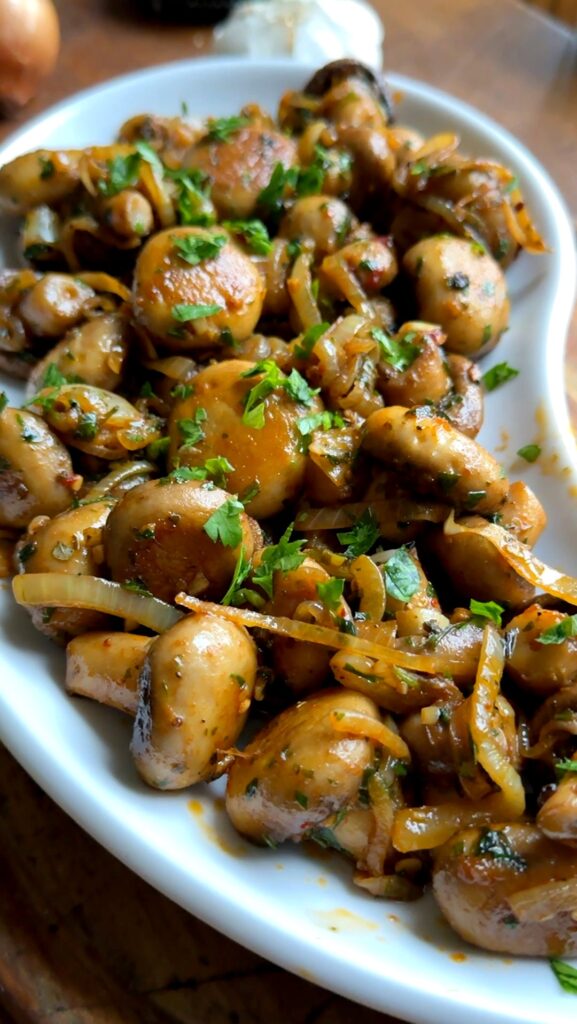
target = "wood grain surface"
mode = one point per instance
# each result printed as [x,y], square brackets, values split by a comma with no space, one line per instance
[82,939]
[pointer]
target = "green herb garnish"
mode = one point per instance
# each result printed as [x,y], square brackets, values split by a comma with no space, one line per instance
[401,576]
[253,233]
[497,375]
[225,525]
[557,634]
[486,610]
[401,353]
[196,248]
[362,536]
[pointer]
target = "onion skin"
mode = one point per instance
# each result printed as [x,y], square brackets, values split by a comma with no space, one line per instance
[29,45]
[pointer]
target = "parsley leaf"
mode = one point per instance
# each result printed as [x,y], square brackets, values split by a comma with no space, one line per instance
[495,843]
[319,421]
[224,524]
[557,634]
[183,311]
[182,474]
[137,587]
[296,386]
[282,557]
[47,168]
[273,377]
[401,576]
[196,248]
[218,469]
[331,593]
[145,150]
[530,452]
[566,974]
[235,594]
[362,536]
[3,401]
[309,339]
[400,353]
[324,837]
[122,172]
[270,199]
[190,429]
[497,375]
[221,128]
[487,610]
[193,202]
[254,234]
[565,766]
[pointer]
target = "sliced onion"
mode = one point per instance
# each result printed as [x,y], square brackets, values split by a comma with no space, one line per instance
[299,287]
[541,902]
[425,828]
[59,590]
[176,367]
[386,510]
[102,282]
[356,724]
[489,753]
[122,474]
[371,587]
[341,276]
[311,633]
[521,559]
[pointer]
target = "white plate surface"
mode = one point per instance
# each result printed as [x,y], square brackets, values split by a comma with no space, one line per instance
[297,910]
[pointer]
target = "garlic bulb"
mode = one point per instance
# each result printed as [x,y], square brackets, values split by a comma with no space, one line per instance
[312,31]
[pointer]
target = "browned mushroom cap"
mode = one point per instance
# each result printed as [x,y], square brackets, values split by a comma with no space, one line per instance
[335,72]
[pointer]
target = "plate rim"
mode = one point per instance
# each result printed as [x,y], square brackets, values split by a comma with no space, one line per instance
[265,937]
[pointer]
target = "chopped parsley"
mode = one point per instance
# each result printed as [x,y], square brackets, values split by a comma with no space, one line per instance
[190,428]
[301,799]
[236,594]
[270,199]
[566,974]
[362,536]
[560,632]
[3,401]
[495,843]
[182,391]
[122,172]
[194,249]
[224,524]
[193,204]
[150,156]
[184,311]
[331,593]
[273,377]
[401,353]
[88,426]
[401,576]
[486,610]
[221,128]
[282,557]
[530,452]
[497,375]
[253,233]
[182,474]
[309,340]
[47,168]
[324,837]
[326,420]
[137,587]
[565,766]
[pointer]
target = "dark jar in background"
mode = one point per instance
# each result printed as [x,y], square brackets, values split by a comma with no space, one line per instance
[192,12]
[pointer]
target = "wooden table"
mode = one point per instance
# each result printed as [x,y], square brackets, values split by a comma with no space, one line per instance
[82,939]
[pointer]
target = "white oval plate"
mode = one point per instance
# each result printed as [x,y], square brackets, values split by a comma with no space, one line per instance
[298,910]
